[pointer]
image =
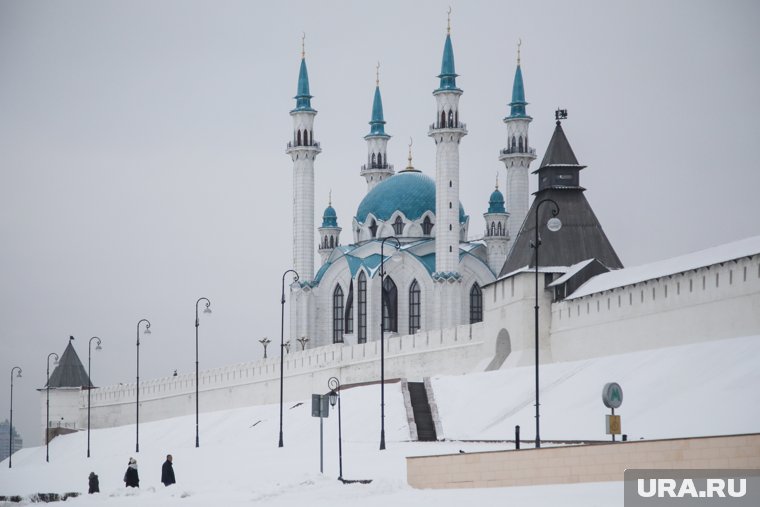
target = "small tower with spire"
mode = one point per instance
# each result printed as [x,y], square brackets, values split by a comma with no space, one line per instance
[496,236]
[518,154]
[303,149]
[377,167]
[329,233]
[447,131]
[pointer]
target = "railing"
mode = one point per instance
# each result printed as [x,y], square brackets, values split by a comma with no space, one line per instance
[310,145]
[377,166]
[459,125]
[517,150]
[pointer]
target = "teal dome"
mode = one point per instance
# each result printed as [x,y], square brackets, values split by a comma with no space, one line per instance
[330,218]
[409,192]
[496,203]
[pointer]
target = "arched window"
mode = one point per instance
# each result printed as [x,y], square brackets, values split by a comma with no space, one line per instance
[520,145]
[451,119]
[380,160]
[514,143]
[324,245]
[456,119]
[427,226]
[298,139]
[443,120]
[493,229]
[398,226]
[373,228]
[390,305]
[348,315]
[476,304]
[372,161]
[306,138]
[362,310]
[332,241]
[414,307]
[498,229]
[337,315]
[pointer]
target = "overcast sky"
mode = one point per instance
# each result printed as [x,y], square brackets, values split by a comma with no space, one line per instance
[143,166]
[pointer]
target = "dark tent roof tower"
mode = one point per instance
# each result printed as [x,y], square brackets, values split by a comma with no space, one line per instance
[581,236]
[70,372]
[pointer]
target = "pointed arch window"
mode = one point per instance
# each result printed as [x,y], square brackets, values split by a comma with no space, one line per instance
[520,145]
[414,307]
[338,315]
[390,305]
[398,226]
[451,119]
[476,304]
[456,119]
[373,228]
[493,228]
[499,230]
[348,315]
[362,309]
[372,162]
[332,241]
[379,160]
[514,143]
[306,138]
[443,120]
[298,139]
[427,226]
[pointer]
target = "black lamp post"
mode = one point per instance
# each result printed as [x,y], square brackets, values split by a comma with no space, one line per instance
[553,225]
[197,324]
[282,340]
[89,388]
[334,395]
[265,341]
[137,385]
[383,298]
[47,408]
[10,430]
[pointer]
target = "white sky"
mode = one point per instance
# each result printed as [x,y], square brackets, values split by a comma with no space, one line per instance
[143,166]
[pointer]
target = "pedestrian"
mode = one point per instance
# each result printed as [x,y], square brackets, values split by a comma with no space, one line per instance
[94,483]
[167,471]
[131,479]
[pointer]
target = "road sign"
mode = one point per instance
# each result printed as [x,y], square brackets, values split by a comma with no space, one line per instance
[320,405]
[614,427]
[612,395]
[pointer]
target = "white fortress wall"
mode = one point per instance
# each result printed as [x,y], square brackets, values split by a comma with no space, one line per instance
[450,351]
[707,303]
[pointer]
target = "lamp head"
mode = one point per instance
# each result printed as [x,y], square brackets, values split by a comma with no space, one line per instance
[147,330]
[207,310]
[333,397]
[98,347]
[18,375]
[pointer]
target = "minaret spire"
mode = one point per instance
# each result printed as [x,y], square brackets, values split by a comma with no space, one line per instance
[377,167]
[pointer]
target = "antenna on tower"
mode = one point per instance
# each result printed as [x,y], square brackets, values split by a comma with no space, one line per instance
[303,45]
[377,74]
[519,43]
[448,21]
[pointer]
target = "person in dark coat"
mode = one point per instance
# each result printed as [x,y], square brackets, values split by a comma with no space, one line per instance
[94,484]
[167,471]
[131,479]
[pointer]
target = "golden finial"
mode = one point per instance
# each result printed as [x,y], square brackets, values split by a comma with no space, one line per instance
[303,45]
[329,198]
[410,167]
[519,43]
[497,180]
[377,74]
[448,23]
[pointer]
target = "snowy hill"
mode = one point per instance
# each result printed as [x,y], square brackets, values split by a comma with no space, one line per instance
[703,389]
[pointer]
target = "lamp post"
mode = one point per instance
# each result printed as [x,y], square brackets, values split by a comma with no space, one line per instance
[553,225]
[10,430]
[303,341]
[137,385]
[334,385]
[282,341]
[382,337]
[89,387]
[197,324]
[47,408]
[265,341]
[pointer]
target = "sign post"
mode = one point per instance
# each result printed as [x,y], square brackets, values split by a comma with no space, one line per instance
[612,397]
[320,407]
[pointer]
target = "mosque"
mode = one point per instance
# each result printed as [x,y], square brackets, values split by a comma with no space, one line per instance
[409,226]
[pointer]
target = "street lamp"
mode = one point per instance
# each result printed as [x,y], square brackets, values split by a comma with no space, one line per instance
[334,396]
[137,385]
[197,324]
[265,341]
[47,408]
[554,224]
[383,297]
[282,340]
[10,430]
[303,341]
[89,388]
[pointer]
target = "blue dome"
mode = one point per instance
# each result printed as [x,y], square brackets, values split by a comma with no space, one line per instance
[330,218]
[410,192]
[496,202]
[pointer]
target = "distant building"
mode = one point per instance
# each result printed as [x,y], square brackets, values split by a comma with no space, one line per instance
[5,444]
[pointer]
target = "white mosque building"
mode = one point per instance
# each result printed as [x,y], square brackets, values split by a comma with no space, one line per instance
[433,275]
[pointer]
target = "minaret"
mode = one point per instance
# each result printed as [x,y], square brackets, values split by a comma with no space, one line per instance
[303,149]
[377,167]
[447,131]
[329,233]
[517,156]
[496,236]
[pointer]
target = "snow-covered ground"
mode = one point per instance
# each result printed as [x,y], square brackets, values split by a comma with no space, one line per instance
[693,390]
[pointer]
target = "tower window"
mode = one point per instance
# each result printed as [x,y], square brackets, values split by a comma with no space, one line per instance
[362,310]
[349,313]
[449,183]
[414,307]
[338,315]
[372,162]
[450,205]
[520,145]
[443,120]
[476,304]
[306,138]
[390,305]
[298,139]
[427,226]
[373,228]
[380,160]
[451,119]
[398,226]
[332,241]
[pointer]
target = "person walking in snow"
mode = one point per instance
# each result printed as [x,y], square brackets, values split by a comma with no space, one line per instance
[94,483]
[131,479]
[167,471]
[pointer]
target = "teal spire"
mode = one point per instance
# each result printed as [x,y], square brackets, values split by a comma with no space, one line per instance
[517,106]
[303,98]
[377,122]
[448,75]
[496,202]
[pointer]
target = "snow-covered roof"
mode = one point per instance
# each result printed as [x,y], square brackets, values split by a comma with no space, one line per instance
[695,260]
[571,272]
[528,269]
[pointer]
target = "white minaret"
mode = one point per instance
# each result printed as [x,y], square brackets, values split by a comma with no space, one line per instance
[303,150]
[329,233]
[377,167]
[518,155]
[496,236]
[447,131]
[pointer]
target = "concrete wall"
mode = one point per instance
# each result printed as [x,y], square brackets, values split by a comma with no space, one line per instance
[587,463]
